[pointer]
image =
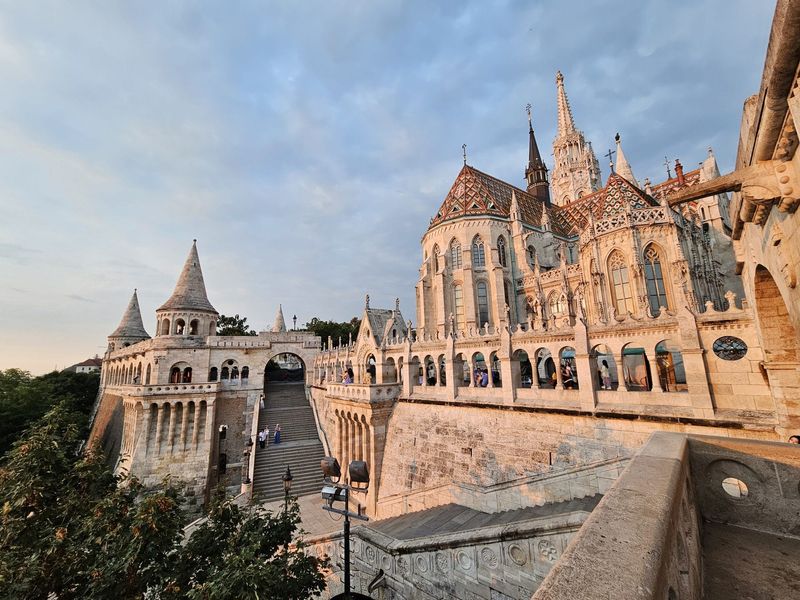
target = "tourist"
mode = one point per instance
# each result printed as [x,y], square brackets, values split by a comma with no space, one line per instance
[605,375]
[278,434]
[566,375]
[266,435]
[350,375]
[794,439]
[484,378]
[261,439]
[553,379]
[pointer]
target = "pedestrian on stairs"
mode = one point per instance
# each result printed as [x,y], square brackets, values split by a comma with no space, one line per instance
[266,434]
[278,433]
[261,439]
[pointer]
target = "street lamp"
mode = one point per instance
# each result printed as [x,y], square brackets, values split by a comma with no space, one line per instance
[294,319]
[335,491]
[287,484]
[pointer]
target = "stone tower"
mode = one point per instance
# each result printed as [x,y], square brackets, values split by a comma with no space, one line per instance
[188,311]
[279,326]
[576,171]
[130,329]
[536,171]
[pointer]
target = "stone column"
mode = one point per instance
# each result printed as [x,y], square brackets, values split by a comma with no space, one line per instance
[184,424]
[171,428]
[557,363]
[196,424]
[145,437]
[159,424]
[357,441]
[470,313]
[209,422]
[365,443]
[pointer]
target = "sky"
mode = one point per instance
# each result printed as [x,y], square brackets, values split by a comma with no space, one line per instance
[306,145]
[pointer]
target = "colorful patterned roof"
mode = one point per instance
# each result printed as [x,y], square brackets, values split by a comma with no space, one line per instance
[665,188]
[475,193]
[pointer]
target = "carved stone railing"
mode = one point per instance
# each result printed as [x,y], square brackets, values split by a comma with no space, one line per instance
[363,392]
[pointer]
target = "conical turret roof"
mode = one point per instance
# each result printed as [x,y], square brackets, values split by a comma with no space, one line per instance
[623,167]
[190,291]
[566,124]
[279,326]
[131,325]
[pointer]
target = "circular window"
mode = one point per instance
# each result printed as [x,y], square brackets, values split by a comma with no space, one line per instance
[730,348]
[735,488]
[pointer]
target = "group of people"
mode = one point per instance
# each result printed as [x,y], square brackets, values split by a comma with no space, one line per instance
[263,436]
[481,377]
[347,375]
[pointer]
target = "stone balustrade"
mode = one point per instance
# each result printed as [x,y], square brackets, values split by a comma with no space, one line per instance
[364,392]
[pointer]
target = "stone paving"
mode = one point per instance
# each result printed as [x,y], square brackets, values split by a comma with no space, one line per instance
[315,521]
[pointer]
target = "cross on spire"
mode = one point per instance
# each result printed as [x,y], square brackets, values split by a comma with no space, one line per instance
[666,164]
[528,110]
[609,155]
[464,150]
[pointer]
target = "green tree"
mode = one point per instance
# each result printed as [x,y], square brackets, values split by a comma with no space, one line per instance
[69,527]
[334,329]
[234,325]
[24,398]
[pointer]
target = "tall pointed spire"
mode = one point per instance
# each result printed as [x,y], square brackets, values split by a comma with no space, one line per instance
[566,124]
[622,167]
[190,291]
[279,326]
[536,171]
[131,325]
[576,172]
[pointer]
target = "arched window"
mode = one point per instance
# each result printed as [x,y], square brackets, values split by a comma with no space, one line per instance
[557,303]
[455,254]
[501,252]
[224,374]
[483,303]
[235,373]
[193,325]
[245,373]
[175,375]
[620,284]
[165,327]
[147,375]
[654,280]
[212,328]
[478,256]
[212,374]
[458,304]
[180,325]
[187,375]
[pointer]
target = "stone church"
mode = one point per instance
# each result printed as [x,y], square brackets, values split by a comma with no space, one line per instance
[591,401]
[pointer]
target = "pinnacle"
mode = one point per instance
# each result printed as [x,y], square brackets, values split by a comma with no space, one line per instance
[566,124]
[279,326]
[131,324]
[190,291]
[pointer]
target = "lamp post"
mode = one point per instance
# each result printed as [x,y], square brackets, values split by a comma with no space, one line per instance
[335,491]
[294,320]
[287,487]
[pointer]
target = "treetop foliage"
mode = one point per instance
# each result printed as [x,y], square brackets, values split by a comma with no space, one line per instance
[334,329]
[234,325]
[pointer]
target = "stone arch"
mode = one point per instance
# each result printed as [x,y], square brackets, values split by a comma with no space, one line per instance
[636,368]
[569,369]
[194,327]
[605,366]
[778,334]
[670,367]
[545,368]
[305,355]
[180,326]
[165,325]
[521,369]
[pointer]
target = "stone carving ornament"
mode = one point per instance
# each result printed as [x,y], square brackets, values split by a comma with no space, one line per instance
[517,554]
[464,560]
[489,558]
[369,553]
[547,551]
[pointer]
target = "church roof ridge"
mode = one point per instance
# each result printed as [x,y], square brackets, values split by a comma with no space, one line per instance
[131,324]
[190,291]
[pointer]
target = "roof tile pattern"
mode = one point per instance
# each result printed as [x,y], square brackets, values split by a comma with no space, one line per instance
[190,291]
[475,193]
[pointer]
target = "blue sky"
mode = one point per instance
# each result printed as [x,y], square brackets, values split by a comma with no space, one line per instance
[306,145]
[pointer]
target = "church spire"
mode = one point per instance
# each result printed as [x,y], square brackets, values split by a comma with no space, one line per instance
[131,327]
[190,291]
[623,168]
[566,124]
[536,171]
[279,326]
[576,171]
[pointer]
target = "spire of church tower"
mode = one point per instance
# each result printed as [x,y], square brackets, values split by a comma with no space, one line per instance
[576,171]
[131,326]
[566,124]
[536,171]
[622,167]
[279,326]
[190,291]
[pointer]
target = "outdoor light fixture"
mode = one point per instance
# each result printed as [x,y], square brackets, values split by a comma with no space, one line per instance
[359,473]
[330,468]
[287,481]
[223,431]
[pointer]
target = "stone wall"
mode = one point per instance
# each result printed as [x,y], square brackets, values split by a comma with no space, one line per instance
[429,444]
[107,426]
[234,409]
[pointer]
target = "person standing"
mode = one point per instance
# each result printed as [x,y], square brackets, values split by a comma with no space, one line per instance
[484,378]
[266,435]
[261,439]
[605,375]
[278,434]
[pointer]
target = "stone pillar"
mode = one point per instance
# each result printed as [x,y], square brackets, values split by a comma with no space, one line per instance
[587,384]
[557,363]
[145,437]
[171,429]
[209,422]
[365,444]
[159,424]
[620,372]
[184,424]
[196,425]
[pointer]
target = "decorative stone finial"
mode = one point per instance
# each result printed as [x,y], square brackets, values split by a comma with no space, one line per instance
[366,302]
[397,305]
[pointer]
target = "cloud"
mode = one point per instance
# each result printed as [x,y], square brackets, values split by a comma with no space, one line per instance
[307,154]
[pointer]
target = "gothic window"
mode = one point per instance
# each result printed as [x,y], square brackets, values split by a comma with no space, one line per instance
[483,303]
[478,256]
[212,374]
[558,304]
[225,373]
[501,251]
[620,283]
[531,255]
[455,254]
[245,372]
[458,303]
[654,280]
[187,375]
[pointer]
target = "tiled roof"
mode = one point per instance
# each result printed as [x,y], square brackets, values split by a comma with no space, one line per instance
[670,185]
[190,291]
[131,324]
[475,193]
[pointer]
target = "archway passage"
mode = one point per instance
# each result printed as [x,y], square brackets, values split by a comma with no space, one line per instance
[778,334]
[285,367]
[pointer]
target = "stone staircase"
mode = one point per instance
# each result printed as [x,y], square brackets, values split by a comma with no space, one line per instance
[300,448]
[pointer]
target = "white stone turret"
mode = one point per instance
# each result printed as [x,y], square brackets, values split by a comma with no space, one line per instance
[188,311]
[279,326]
[131,328]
